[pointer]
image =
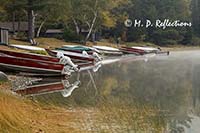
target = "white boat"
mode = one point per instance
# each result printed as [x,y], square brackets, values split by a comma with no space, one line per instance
[25,47]
[147,49]
[108,50]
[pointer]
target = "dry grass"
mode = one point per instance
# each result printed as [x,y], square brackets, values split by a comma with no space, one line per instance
[24,116]
[14,41]
[52,42]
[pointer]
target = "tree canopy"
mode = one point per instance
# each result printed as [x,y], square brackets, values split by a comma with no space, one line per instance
[81,18]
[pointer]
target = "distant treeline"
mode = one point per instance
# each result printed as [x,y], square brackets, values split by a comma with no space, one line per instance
[80,19]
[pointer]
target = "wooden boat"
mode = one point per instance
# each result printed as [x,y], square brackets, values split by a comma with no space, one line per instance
[36,67]
[30,56]
[75,57]
[63,86]
[11,63]
[36,64]
[42,58]
[108,50]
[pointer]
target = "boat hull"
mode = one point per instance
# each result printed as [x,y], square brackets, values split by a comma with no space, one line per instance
[9,63]
[75,51]
[30,56]
[127,50]
[74,56]
[108,50]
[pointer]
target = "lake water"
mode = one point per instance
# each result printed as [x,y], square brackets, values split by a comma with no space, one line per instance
[158,94]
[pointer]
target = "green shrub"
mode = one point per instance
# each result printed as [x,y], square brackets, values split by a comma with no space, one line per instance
[22,35]
[71,36]
[195,41]
[166,37]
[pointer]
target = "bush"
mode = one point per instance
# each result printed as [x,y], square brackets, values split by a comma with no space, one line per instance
[71,36]
[22,35]
[195,41]
[166,37]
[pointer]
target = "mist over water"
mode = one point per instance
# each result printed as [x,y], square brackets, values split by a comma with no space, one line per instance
[161,94]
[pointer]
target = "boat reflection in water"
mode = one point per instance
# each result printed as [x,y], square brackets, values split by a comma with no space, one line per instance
[47,86]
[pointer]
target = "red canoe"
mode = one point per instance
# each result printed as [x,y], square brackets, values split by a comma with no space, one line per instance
[75,57]
[11,63]
[30,56]
[128,50]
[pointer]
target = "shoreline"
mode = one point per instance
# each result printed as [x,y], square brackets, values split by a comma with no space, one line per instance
[53,43]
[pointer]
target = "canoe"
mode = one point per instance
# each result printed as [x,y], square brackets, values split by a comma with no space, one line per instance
[152,50]
[147,49]
[128,50]
[142,50]
[30,56]
[63,86]
[25,47]
[90,52]
[108,50]
[75,57]
[17,64]
[78,48]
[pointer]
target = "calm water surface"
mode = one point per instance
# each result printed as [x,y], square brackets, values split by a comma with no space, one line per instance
[161,94]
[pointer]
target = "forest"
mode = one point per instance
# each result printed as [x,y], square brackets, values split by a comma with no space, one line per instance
[81,19]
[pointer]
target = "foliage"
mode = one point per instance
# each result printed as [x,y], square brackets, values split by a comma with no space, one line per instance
[85,17]
[164,37]
[71,36]
[195,41]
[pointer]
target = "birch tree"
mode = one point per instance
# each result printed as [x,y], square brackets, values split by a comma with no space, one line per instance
[92,14]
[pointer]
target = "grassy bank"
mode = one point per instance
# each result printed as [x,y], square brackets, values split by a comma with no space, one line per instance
[19,115]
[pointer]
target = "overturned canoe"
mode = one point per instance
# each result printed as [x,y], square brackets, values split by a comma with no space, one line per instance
[108,50]
[25,47]
[80,48]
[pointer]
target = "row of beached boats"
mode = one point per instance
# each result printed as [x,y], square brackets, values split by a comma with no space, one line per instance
[64,60]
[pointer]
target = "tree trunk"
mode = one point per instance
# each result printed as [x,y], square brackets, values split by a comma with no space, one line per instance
[31,20]
[40,28]
[13,23]
[19,26]
[196,16]
[91,27]
[77,27]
